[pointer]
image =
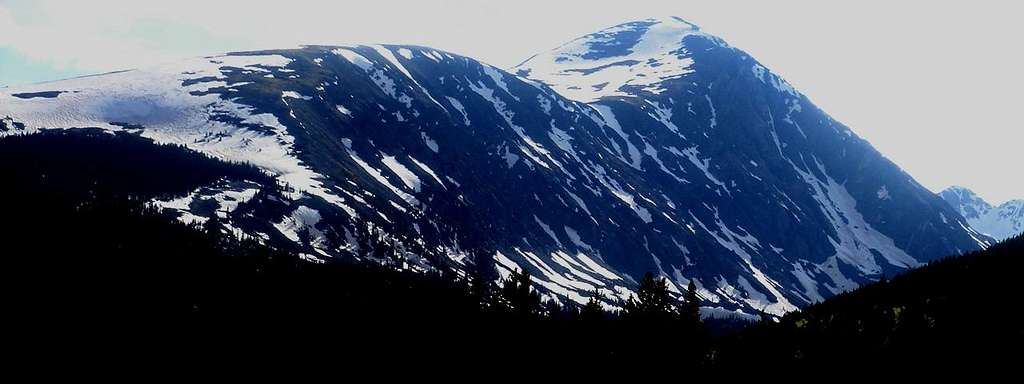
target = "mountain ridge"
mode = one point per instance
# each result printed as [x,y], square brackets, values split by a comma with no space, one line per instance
[1000,222]
[460,164]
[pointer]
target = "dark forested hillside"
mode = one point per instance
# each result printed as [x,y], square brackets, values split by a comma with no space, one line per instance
[84,254]
[958,310]
[80,239]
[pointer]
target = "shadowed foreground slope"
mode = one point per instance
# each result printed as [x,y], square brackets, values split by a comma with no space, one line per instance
[958,310]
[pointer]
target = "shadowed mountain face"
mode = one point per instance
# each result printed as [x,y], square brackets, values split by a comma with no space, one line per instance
[1000,222]
[645,147]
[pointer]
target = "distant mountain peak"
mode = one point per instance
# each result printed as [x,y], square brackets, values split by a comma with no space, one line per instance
[999,222]
[968,203]
[960,190]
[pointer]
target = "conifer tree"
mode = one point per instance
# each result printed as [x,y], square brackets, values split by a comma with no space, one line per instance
[691,306]
[593,310]
[479,288]
[518,295]
[553,309]
[653,301]
[212,227]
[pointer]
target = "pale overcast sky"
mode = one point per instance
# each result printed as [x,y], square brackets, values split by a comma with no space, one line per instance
[935,87]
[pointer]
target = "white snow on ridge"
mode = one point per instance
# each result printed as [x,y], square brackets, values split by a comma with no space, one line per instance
[377,75]
[1000,223]
[744,246]
[498,79]
[533,150]
[714,113]
[343,110]
[548,231]
[408,178]
[304,219]
[575,238]
[883,193]
[616,189]
[295,95]
[569,277]
[767,77]
[597,268]
[430,143]
[808,283]
[386,53]
[170,113]
[427,169]
[229,199]
[458,106]
[354,58]
[433,55]
[574,267]
[855,241]
[406,53]
[657,56]
[376,175]
[611,122]
[974,235]
[1003,221]
[692,155]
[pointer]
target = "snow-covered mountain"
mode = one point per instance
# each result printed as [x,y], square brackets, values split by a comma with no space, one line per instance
[649,146]
[999,222]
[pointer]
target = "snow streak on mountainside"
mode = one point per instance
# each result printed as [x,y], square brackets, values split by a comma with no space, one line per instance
[1000,223]
[679,155]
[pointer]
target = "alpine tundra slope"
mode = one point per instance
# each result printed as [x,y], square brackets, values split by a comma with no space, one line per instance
[648,146]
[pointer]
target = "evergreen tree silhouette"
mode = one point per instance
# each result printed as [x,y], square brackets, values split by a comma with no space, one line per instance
[653,301]
[691,306]
[518,295]
[593,310]
[212,227]
[554,310]
[480,289]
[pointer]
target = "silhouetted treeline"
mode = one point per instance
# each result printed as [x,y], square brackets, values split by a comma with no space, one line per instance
[959,310]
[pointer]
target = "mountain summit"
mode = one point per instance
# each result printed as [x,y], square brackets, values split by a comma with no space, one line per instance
[647,147]
[1000,222]
[618,61]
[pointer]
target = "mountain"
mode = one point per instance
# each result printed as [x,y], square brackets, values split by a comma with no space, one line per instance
[1000,222]
[647,147]
[784,184]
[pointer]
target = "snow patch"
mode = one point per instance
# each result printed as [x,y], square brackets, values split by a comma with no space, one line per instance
[408,178]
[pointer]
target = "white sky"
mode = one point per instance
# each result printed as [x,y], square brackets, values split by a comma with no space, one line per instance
[935,87]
